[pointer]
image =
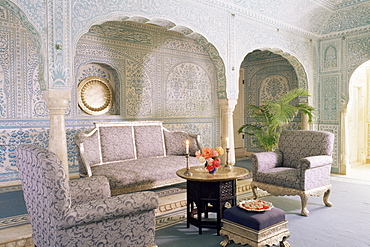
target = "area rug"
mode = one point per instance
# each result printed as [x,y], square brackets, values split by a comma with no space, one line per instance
[347,223]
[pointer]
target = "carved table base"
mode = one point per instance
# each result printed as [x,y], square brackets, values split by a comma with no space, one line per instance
[272,235]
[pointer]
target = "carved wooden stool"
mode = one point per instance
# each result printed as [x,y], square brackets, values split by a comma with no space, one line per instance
[254,228]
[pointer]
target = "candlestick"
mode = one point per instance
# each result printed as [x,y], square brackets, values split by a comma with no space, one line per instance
[227,166]
[227,142]
[187,146]
[187,172]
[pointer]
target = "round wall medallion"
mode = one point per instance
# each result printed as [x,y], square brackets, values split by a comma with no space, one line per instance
[95,95]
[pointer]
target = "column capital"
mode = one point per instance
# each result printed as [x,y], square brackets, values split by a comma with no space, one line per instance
[57,100]
[228,104]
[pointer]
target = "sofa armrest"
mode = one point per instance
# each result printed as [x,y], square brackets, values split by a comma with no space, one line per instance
[88,189]
[266,160]
[315,161]
[109,208]
[85,161]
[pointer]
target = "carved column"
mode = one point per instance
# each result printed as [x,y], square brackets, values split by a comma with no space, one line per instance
[345,167]
[227,129]
[57,103]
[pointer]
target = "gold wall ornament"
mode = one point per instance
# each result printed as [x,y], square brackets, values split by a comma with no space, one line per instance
[95,95]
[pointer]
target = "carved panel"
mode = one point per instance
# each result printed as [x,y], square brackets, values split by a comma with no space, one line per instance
[331,55]
[329,100]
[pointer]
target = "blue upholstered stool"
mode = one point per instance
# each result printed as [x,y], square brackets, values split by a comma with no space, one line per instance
[254,228]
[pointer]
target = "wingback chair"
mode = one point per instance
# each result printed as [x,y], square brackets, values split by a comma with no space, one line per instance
[81,212]
[301,166]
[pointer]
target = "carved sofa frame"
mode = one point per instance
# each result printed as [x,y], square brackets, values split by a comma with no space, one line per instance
[135,155]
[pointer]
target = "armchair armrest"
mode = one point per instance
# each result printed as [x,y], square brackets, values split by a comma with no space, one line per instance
[88,189]
[315,161]
[109,208]
[266,160]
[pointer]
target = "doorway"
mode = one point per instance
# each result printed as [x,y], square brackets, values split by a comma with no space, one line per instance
[358,119]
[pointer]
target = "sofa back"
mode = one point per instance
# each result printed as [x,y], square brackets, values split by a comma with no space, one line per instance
[129,140]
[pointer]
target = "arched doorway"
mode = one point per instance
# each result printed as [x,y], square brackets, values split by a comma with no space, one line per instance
[265,75]
[357,121]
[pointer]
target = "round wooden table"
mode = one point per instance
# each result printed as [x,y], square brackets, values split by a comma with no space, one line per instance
[210,192]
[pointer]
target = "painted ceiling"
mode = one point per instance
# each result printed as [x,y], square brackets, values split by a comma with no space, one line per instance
[316,17]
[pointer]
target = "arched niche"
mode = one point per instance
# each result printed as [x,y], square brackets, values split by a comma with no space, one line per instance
[267,74]
[168,25]
[107,73]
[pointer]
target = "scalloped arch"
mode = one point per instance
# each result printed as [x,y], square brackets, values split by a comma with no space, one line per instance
[168,25]
[298,67]
[22,17]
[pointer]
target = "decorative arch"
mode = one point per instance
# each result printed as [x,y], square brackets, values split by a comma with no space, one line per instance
[37,37]
[346,106]
[271,82]
[298,67]
[168,25]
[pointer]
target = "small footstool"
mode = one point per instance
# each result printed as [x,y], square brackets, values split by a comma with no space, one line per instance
[254,228]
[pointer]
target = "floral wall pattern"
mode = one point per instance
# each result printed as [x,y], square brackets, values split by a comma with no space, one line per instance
[206,39]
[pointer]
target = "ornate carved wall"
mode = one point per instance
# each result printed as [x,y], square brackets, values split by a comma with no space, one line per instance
[41,48]
[267,76]
[161,75]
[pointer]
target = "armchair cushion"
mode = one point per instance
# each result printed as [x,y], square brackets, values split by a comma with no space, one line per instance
[266,160]
[109,208]
[90,188]
[281,176]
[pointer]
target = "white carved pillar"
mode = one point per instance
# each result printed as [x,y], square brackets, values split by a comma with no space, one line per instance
[57,103]
[227,129]
[345,167]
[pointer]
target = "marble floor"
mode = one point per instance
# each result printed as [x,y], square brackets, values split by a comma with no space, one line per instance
[361,172]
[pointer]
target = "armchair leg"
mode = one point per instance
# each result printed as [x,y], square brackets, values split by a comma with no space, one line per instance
[254,190]
[304,199]
[326,198]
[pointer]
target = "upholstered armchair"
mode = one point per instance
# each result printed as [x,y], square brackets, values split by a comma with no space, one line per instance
[81,212]
[301,166]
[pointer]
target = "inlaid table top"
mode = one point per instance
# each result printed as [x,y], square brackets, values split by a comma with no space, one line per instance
[200,173]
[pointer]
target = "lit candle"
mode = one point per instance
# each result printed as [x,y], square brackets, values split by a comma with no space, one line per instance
[187,146]
[227,142]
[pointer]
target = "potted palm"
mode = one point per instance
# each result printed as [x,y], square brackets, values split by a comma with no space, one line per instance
[271,116]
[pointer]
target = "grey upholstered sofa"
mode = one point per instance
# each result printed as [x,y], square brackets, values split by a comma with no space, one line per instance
[301,166]
[81,212]
[135,155]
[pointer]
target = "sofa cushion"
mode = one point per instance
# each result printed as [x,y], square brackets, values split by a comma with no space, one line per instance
[149,141]
[117,143]
[142,171]
[176,141]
